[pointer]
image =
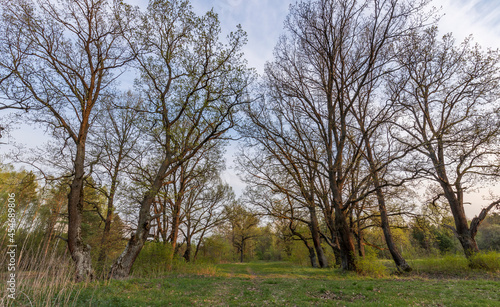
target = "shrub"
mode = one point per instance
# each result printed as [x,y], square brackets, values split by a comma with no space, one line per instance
[155,259]
[489,261]
[370,265]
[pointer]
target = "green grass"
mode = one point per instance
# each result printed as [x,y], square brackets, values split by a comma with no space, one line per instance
[284,284]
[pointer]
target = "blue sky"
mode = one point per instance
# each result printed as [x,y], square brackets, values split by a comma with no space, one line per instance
[263,21]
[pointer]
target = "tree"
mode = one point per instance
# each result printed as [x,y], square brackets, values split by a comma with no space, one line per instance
[381,152]
[332,53]
[113,147]
[204,213]
[281,161]
[192,85]
[488,237]
[64,58]
[451,99]
[243,227]
[24,186]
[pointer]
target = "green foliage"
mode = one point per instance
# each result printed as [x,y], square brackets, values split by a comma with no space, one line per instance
[457,264]
[266,247]
[444,240]
[162,255]
[370,265]
[449,264]
[488,235]
[429,239]
[488,261]
[23,188]
[216,249]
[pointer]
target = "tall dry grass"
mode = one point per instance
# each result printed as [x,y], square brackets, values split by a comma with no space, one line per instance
[44,276]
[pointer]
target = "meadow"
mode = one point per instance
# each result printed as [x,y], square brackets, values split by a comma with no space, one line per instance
[446,281]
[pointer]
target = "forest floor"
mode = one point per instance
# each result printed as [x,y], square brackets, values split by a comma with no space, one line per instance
[285,284]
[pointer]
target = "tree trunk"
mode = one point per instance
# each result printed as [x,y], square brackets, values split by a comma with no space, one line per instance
[359,241]
[312,257]
[330,223]
[462,232]
[347,249]
[335,160]
[175,223]
[123,265]
[105,235]
[242,250]
[80,252]
[400,262]
[455,201]
[187,252]
[323,261]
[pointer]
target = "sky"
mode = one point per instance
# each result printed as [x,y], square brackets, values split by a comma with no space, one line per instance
[263,22]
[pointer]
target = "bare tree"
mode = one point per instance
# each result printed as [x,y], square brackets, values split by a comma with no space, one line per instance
[451,99]
[381,152]
[63,56]
[334,50]
[283,160]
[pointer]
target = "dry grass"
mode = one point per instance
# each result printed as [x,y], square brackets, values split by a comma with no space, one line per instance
[43,278]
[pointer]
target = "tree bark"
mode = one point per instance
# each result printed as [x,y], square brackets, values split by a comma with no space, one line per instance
[80,252]
[242,249]
[187,252]
[455,201]
[323,261]
[347,249]
[175,223]
[312,257]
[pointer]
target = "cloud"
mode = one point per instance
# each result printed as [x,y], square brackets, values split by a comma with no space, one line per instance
[479,18]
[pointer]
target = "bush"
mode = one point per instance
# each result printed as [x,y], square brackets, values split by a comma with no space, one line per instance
[458,264]
[155,259]
[370,265]
[489,261]
[449,264]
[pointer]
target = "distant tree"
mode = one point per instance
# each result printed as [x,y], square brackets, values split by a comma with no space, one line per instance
[204,212]
[24,188]
[243,227]
[488,236]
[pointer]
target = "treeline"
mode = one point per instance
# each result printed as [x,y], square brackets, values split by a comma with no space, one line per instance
[363,105]
[364,114]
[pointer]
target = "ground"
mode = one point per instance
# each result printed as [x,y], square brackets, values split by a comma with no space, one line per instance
[285,284]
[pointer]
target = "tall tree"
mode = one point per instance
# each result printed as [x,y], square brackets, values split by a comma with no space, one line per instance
[451,98]
[381,152]
[63,66]
[192,85]
[282,159]
[333,50]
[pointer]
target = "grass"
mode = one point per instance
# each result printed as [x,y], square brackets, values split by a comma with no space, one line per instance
[447,281]
[283,284]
